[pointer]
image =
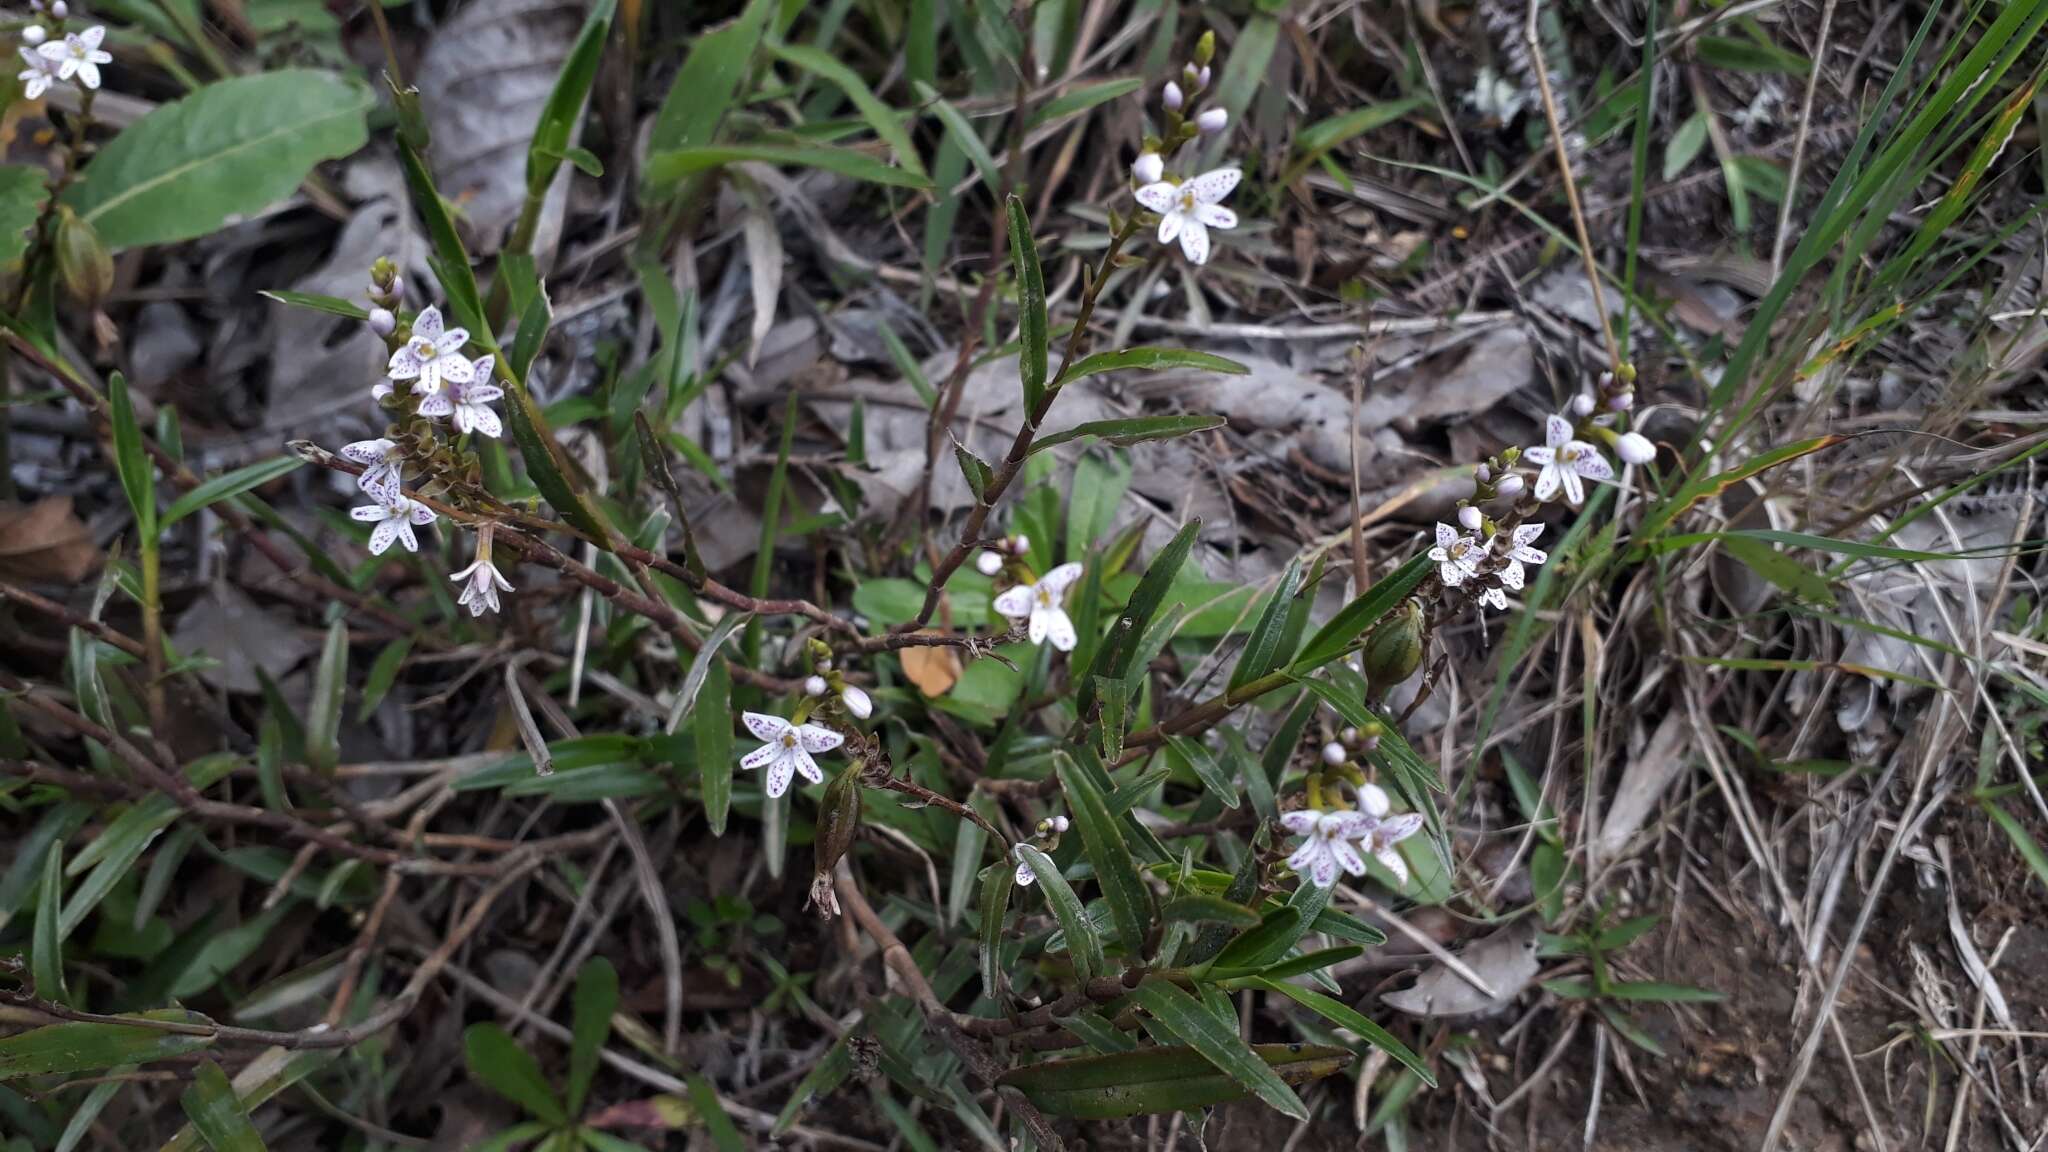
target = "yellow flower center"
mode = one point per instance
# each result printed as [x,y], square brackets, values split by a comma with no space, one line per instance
[1044,597]
[423,348]
[788,739]
[1187,199]
[1568,454]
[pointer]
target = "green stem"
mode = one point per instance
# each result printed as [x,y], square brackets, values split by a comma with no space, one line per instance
[152,635]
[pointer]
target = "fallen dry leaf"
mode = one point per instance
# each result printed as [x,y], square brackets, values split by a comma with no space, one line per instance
[44,543]
[1506,960]
[933,670]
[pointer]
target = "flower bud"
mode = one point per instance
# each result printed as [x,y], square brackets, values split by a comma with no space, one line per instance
[1622,401]
[383,274]
[1510,485]
[34,35]
[1373,800]
[1020,544]
[59,9]
[1635,448]
[1582,404]
[382,322]
[857,702]
[1394,649]
[1470,518]
[988,563]
[84,266]
[1148,168]
[1172,97]
[1212,121]
[1348,736]
[1202,77]
[1482,473]
[1205,49]
[1061,824]
[838,821]
[1334,754]
[815,686]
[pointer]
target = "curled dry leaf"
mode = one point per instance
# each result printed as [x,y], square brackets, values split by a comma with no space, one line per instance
[44,543]
[1506,960]
[933,670]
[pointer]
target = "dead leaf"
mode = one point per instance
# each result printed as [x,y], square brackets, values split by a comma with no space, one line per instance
[764,266]
[934,670]
[241,637]
[44,543]
[1506,960]
[668,1113]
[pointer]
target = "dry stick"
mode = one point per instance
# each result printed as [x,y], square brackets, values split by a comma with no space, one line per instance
[1827,19]
[936,1015]
[66,616]
[1571,187]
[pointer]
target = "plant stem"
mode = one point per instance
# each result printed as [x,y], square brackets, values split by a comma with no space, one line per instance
[153,637]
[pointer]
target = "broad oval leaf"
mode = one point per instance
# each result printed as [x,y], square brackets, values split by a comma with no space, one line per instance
[22,191]
[230,149]
[1159,1080]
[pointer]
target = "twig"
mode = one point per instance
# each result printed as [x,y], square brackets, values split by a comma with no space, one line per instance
[1571,187]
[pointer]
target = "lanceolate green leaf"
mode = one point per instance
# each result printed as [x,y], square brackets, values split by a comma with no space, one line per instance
[61,1049]
[1083,945]
[883,119]
[230,484]
[1133,430]
[46,948]
[1130,902]
[138,481]
[713,729]
[1262,648]
[1153,1081]
[995,906]
[230,149]
[1119,650]
[597,996]
[1332,639]
[497,1060]
[704,87]
[1034,337]
[274,1070]
[1185,1018]
[216,1112]
[558,119]
[1344,1016]
[1152,360]
[23,189]
[666,168]
[323,712]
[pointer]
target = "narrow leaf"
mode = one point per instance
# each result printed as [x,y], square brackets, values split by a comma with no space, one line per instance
[1188,1021]
[1084,945]
[229,484]
[216,1112]
[1130,902]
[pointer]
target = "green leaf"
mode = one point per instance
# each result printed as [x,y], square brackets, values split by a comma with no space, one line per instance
[138,481]
[1202,908]
[216,1112]
[1334,638]
[597,997]
[1260,946]
[232,148]
[1151,360]
[960,130]
[46,949]
[1118,653]
[1327,134]
[61,1049]
[23,188]
[1344,1016]
[383,673]
[670,167]
[2022,840]
[451,263]
[1780,569]
[1034,336]
[1748,56]
[1685,144]
[323,712]
[704,86]
[1130,902]
[115,851]
[500,1064]
[1133,430]
[1214,776]
[887,124]
[974,470]
[557,123]
[713,728]
[824,1077]
[1083,944]
[331,305]
[995,908]
[1152,1081]
[229,484]
[1188,1021]
[1262,649]
[1083,98]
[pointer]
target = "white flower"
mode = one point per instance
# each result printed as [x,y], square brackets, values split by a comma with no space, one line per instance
[485,581]
[33,35]
[37,77]
[1040,604]
[1025,876]
[1326,844]
[788,749]
[857,702]
[988,563]
[1635,448]
[1494,97]
[1564,460]
[381,462]
[1493,597]
[468,400]
[1148,168]
[1456,554]
[1518,554]
[394,514]
[1380,837]
[78,55]
[380,389]
[1189,210]
[434,354]
[1212,121]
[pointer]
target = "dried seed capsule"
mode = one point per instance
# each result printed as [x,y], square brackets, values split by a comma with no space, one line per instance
[838,821]
[84,266]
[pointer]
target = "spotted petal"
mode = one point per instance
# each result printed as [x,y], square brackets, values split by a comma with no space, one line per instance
[1301,821]
[1158,196]
[1592,465]
[1557,431]
[383,534]
[762,755]
[1170,226]
[1060,579]
[369,512]
[1212,186]
[817,738]
[1059,627]
[427,325]
[779,772]
[1215,216]
[764,726]
[1015,603]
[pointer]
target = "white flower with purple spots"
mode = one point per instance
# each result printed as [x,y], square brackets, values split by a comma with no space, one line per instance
[1457,555]
[468,401]
[432,355]
[1519,553]
[482,579]
[381,461]
[1566,463]
[1189,209]
[37,77]
[77,56]
[1380,839]
[1039,605]
[788,749]
[1326,844]
[394,514]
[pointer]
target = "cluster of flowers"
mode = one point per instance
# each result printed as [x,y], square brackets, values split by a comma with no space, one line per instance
[450,386]
[1186,209]
[1342,838]
[75,57]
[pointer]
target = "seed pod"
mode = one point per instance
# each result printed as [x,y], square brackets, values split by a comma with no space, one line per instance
[1394,650]
[84,266]
[838,820]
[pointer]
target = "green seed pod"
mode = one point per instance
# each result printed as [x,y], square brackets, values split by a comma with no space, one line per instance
[838,820]
[1205,49]
[84,266]
[1394,650]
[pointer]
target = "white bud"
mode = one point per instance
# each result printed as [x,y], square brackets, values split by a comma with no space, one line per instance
[1510,485]
[1622,401]
[1371,742]
[1172,97]
[825,665]
[988,563]
[1582,404]
[1635,448]
[382,322]
[33,35]
[857,702]
[815,686]
[1202,77]
[1148,168]
[1482,473]
[1348,736]
[1213,121]
[1470,518]
[1060,824]
[59,9]
[1334,754]
[1020,544]
[1373,799]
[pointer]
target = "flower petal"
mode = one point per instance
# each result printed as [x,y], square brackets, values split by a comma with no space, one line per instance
[1060,579]
[1158,196]
[367,451]
[484,420]
[475,393]
[1215,216]
[1170,226]
[1574,488]
[437,405]
[382,536]
[1212,186]
[455,367]
[92,36]
[1511,575]
[1392,862]
[1301,821]
[1557,431]
[763,725]
[1324,871]
[1445,537]
[807,766]
[1347,857]
[1547,482]
[427,325]
[404,365]
[1528,532]
[1025,876]
[1592,465]
[1036,629]
[1059,628]
[1194,241]
[1015,603]
[1539,455]
[450,343]
[1304,856]
[1452,575]
[370,512]
[779,772]
[420,514]
[766,753]
[818,738]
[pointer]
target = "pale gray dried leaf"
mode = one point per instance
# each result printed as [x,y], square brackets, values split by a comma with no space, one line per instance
[1643,783]
[764,266]
[484,80]
[240,637]
[1506,960]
